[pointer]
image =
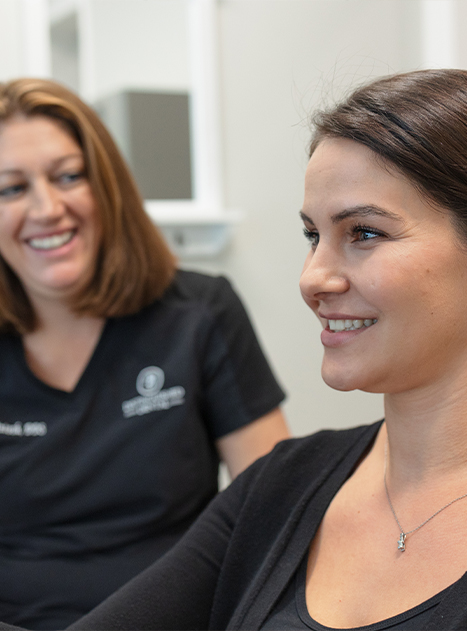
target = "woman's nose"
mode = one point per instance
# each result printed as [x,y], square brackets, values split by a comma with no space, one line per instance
[45,202]
[322,274]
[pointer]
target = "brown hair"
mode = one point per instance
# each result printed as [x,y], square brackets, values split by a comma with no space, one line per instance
[416,122]
[134,265]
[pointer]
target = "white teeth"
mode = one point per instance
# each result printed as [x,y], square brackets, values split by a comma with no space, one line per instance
[50,243]
[350,325]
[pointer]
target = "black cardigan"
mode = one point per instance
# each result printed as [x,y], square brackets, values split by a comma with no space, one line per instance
[231,567]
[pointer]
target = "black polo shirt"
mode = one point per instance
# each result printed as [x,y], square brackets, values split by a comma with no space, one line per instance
[97,483]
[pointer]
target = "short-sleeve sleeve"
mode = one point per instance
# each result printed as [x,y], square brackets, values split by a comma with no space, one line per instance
[238,383]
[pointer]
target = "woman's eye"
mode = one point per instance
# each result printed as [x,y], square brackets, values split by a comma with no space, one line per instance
[70,177]
[12,191]
[365,233]
[312,237]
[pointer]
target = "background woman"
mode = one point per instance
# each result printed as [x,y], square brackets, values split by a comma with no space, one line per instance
[122,380]
[364,527]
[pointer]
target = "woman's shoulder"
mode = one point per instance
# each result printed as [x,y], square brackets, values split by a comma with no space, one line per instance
[265,504]
[333,439]
[199,287]
[190,292]
[211,296]
[322,451]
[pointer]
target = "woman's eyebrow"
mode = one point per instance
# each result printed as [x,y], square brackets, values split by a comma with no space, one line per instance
[66,157]
[54,164]
[305,218]
[361,210]
[11,172]
[364,210]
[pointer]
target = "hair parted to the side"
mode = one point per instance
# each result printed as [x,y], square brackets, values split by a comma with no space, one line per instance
[134,265]
[417,123]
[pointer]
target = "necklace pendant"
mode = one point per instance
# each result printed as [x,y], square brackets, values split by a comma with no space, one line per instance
[401,542]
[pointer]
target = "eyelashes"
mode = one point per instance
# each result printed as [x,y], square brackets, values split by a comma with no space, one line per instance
[358,232]
[66,179]
[11,191]
[366,233]
[311,236]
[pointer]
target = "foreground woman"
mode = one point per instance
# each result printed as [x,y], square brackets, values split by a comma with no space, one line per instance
[122,379]
[364,527]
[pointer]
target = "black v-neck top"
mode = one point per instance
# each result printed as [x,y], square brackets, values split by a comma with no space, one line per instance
[291,611]
[97,483]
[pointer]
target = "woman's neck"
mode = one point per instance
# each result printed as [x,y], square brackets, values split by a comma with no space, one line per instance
[427,431]
[61,347]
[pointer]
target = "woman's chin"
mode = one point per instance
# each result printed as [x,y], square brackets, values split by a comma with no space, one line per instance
[338,378]
[337,383]
[346,381]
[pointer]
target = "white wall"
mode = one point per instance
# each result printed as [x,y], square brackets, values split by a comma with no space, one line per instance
[279,59]
[134,45]
[11,53]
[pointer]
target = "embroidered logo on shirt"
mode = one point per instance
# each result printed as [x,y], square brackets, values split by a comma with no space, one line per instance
[149,384]
[150,381]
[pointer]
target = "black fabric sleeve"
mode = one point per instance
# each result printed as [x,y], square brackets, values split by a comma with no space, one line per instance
[177,591]
[239,385]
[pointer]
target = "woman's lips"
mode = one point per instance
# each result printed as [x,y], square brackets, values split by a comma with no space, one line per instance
[339,331]
[51,242]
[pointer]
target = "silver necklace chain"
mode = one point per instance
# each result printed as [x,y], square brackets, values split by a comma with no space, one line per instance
[403,534]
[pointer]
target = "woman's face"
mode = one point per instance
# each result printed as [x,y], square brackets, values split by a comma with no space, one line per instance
[386,275]
[49,228]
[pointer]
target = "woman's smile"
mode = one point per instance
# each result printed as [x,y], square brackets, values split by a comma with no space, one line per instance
[52,241]
[349,324]
[338,331]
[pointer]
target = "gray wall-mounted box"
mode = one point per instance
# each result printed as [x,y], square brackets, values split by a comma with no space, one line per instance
[152,129]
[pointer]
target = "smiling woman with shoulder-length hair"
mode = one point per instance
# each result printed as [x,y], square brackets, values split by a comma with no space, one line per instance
[123,380]
[135,266]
